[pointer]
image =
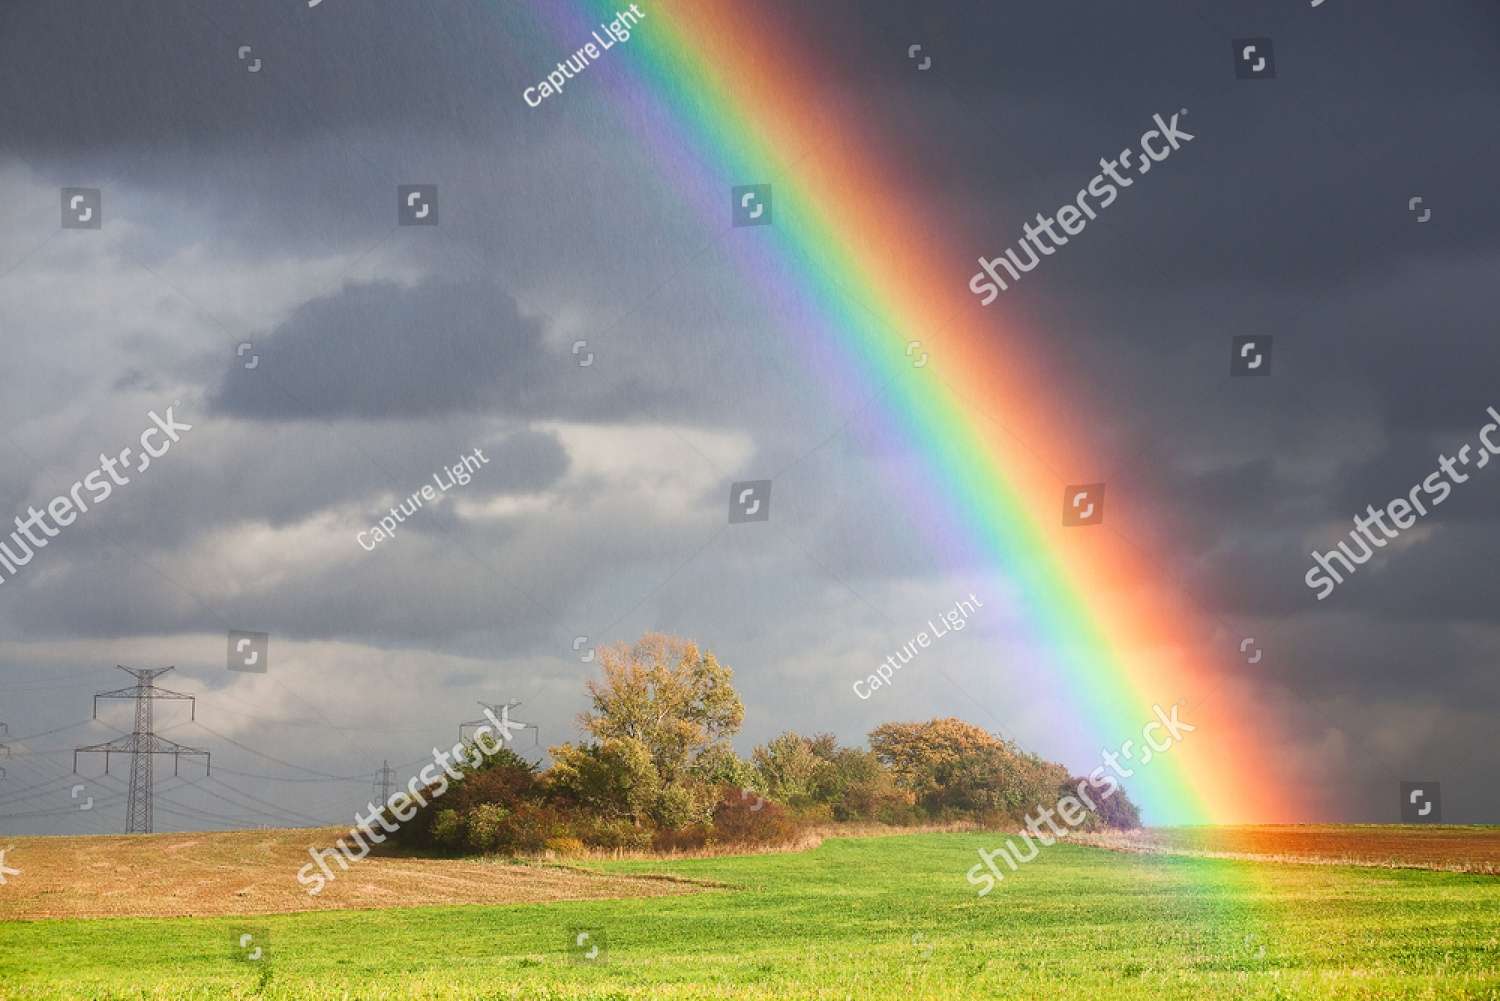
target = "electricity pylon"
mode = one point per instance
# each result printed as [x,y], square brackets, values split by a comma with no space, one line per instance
[383,781]
[142,743]
[503,712]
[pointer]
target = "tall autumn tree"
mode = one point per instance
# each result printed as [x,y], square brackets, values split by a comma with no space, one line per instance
[666,693]
[950,765]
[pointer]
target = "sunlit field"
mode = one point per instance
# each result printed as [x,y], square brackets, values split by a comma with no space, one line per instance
[878,917]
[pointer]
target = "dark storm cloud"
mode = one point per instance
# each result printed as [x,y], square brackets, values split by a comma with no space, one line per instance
[382,351]
[137,74]
[1300,182]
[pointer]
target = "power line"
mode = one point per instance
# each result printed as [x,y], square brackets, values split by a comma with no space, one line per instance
[285,778]
[191,813]
[24,794]
[272,758]
[63,811]
[284,811]
[60,729]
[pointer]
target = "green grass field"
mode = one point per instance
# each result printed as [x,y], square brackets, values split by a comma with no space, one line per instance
[887,917]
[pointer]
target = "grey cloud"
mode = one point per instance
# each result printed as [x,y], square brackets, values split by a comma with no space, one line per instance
[381,351]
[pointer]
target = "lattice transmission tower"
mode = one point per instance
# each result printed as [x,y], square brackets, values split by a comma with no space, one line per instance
[142,744]
[502,712]
[384,781]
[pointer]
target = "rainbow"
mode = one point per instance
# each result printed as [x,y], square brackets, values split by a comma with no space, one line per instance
[721,97]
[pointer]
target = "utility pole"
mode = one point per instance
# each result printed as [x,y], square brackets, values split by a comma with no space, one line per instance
[383,779]
[142,743]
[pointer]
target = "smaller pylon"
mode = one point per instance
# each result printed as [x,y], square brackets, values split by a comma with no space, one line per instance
[502,712]
[384,781]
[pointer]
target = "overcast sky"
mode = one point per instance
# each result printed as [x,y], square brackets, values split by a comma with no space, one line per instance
[259,208]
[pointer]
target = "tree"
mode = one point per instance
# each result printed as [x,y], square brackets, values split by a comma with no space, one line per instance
[503,778]
[858,787]
[953,766]
[669,695]
[850,781]
[718,765]
[1113,809]
[788,770]
[677,807]
[613,779]
[927,757]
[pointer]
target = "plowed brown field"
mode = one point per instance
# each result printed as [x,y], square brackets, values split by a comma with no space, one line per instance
[255,872]
[1448,848]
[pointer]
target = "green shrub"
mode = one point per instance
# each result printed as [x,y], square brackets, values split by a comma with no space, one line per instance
[484,826]
[448,829]
[530,826]
[503,778]
[614,779]
[897,813]
[788,770]
[1112,811]
[718,765]
[812,814]
[674,808]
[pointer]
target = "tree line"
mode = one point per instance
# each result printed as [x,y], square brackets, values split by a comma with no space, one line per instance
[655,770]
